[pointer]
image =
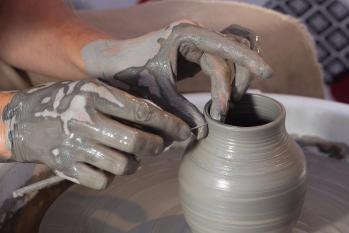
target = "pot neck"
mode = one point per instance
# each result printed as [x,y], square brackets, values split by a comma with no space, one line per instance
[255,119]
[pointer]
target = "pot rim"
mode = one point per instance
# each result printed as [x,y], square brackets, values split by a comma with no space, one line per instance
[276,122]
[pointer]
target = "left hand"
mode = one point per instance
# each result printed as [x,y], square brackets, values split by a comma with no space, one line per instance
[81,128]
[148,66]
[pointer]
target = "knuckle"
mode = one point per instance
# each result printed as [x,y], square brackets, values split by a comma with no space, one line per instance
[61,158]
[142,111]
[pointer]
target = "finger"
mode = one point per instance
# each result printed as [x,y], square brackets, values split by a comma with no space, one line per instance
[107,159]
[173,102]
[242,81]
[143,113]
[170,100]
[90,177]
[219,45]
[236,32]
[242,76]
[219,72]
[119,136]
[83,174]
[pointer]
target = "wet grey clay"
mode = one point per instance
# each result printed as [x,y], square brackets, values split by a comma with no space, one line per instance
[247,176]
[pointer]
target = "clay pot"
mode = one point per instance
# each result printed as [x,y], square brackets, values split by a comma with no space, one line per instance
[246,176]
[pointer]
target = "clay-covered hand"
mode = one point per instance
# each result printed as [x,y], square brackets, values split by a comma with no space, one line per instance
[149,66]
[80,127]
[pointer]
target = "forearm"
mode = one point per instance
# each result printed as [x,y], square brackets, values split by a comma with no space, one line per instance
[5,150]
[45,37]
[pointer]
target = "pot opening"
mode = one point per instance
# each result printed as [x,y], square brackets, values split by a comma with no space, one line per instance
[253,110]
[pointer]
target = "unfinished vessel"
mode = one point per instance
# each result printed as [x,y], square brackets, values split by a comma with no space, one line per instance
[247,176]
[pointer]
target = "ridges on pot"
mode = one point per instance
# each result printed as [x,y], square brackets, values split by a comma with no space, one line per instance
[247,176]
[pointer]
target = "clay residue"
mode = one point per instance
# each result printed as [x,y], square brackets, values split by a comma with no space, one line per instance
[334,150]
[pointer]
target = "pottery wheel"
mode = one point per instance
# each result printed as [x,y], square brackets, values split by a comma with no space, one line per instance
[148,201]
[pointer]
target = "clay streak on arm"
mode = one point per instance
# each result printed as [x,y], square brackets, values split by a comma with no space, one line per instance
[102,92]
[76,111]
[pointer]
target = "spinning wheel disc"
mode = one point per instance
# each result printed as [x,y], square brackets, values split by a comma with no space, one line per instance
[148,201]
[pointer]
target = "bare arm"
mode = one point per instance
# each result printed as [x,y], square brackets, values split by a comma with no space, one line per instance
[48,38]
[45,37]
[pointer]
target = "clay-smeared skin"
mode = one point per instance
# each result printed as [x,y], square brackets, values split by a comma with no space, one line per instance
[72,125]
[148,66]
[242,77]
[229,81]
[220,72]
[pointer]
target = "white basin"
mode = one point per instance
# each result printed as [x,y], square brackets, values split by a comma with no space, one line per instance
[305,116]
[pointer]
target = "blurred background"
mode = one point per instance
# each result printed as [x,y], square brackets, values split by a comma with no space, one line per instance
[327,21]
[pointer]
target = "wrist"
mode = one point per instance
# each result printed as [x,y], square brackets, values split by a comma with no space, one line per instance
[101,58]
[5,145]
[75,37]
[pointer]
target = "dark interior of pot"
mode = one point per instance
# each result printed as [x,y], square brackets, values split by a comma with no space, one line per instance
[253,110]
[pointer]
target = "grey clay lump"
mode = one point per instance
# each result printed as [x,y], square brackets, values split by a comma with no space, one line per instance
[71,126]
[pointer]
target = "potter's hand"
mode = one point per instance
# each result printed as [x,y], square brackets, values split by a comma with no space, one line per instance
[75,127]
[148,66]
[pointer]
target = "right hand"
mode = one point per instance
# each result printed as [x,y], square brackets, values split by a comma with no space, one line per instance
[77,126]
[150,65]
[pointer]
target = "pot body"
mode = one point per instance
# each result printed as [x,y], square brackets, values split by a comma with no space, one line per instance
[244,179]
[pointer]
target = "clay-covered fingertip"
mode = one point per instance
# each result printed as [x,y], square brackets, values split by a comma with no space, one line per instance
[218,116]
[184,133]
